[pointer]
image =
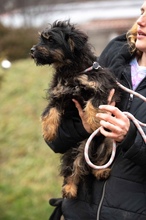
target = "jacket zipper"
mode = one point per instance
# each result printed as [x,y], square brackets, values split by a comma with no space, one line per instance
[100,204]
[130,87]
[131,95]
[103,193]
[130,101]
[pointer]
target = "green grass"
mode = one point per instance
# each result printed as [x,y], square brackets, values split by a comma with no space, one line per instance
[29,168]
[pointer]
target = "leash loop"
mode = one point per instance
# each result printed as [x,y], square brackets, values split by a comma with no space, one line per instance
[86,155]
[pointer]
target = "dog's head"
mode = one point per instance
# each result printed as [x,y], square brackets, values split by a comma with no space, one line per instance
[61,44]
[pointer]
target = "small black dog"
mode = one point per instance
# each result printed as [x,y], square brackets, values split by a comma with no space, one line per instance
[67,49]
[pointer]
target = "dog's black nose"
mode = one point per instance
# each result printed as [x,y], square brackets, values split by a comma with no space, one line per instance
[32,52]
[32,49]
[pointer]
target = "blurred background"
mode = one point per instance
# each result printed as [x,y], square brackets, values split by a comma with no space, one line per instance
[29,169]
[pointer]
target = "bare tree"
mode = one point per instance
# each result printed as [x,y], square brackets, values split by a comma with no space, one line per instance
[9,5]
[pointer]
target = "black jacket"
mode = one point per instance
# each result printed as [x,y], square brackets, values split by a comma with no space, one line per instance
[123,195]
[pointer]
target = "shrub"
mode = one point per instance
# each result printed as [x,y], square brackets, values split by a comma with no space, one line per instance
[16,43]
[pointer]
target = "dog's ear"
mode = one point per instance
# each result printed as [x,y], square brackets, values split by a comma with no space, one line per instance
[77,40]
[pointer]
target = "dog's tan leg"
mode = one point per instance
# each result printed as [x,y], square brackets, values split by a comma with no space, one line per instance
[71,182]
[102,174]
[50,123]
[104,152]
[69,190]
[91,116]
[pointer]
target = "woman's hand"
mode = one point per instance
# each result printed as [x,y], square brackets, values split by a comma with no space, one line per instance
[114,123]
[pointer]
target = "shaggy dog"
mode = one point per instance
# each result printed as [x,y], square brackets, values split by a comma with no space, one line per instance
[66,48]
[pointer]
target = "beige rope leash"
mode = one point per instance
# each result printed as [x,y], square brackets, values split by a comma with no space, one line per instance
[132,92]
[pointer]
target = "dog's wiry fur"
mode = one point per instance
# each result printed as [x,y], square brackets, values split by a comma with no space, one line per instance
[66,48]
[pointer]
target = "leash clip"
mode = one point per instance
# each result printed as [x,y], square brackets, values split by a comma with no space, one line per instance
[96,66]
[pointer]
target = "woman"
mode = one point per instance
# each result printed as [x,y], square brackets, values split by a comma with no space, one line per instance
[123,195]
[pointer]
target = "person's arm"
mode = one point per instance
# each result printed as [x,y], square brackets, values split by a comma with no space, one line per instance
[134,146]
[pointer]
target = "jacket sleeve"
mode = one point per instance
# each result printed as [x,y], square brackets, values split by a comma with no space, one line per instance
[134,145]
[70,132]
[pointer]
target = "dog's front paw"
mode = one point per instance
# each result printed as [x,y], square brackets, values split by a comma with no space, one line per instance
[69,191]
[102,174]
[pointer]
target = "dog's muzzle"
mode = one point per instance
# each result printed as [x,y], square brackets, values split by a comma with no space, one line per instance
[32,50]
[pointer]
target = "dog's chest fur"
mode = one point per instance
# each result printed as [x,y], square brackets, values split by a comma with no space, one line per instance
[81,87]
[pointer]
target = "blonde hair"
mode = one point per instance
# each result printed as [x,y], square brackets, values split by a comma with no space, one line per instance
[131,38]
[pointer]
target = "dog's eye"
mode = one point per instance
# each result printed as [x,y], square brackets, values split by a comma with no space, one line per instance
[50,39]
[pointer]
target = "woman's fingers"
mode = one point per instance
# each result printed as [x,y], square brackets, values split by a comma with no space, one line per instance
[114,123]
